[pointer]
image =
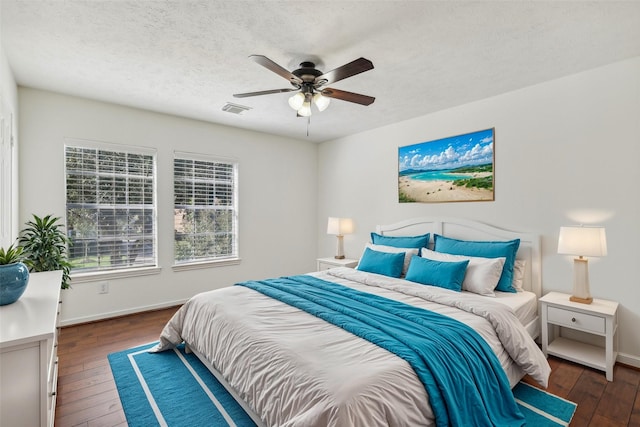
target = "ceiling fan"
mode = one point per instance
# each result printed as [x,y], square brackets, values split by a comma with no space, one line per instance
[308,83]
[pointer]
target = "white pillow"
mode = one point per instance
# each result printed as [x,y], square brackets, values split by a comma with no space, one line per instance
[408,253]
[482,274]
[518,274]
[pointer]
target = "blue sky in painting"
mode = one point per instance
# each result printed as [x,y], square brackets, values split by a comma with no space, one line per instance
[448,153]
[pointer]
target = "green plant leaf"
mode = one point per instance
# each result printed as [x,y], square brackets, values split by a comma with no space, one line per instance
[45,246]
[11,255]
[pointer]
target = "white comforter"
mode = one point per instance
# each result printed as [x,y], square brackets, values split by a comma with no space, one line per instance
[294,369]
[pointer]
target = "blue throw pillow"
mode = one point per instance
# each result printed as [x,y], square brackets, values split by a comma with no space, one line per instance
[386,263]
[507,249]
[413,242]
[448,275]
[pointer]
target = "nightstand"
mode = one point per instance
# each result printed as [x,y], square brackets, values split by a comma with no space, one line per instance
[598,318]
[327,263]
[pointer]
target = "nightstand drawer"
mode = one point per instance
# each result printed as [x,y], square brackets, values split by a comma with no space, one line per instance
[576,320]
[327,263]
[325,266]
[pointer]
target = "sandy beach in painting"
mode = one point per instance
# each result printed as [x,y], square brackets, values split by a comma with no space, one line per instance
[441,190]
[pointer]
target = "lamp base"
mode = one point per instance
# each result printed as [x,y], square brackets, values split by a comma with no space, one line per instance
[340,248]
[581,300]
[581,292]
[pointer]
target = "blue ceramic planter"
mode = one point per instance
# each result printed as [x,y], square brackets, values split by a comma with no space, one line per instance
[13,281]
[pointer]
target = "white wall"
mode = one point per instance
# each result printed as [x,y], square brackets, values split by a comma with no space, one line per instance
[277,195]
[566,152]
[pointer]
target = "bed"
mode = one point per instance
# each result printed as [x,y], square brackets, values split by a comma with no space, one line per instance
[289,367]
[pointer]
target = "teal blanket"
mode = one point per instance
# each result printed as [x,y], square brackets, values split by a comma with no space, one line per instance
[461,374]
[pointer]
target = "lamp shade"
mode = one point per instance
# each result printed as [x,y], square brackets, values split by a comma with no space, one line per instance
[296,101]
[322,102]
[305,110]
[582,241]
[339,226]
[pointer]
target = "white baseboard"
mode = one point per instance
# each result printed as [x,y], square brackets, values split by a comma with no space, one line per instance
[109,315]
[629,359]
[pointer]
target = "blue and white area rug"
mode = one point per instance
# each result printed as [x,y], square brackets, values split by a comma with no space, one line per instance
[542,409]
[172,389]
[175,389]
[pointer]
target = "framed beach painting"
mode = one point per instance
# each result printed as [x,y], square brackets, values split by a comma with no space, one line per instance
[454,169]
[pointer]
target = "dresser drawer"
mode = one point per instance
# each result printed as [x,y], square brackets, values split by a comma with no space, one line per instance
[576,320]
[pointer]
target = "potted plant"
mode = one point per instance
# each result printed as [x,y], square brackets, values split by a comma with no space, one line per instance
[14,275]
[45,247]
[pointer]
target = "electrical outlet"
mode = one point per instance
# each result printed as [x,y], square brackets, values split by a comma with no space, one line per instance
[103,288]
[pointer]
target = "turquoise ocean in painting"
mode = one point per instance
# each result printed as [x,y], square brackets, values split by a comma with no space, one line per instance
[439,176]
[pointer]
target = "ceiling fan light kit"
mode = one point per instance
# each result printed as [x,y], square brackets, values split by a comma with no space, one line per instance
[308,84]
[296,101]
[305,110]
[322,102]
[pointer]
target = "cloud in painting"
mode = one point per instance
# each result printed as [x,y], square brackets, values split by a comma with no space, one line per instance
[449,153]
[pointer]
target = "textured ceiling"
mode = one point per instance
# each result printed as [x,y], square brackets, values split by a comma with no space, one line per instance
[187,58]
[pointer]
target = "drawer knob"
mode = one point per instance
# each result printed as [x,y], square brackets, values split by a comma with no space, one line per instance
[573,319]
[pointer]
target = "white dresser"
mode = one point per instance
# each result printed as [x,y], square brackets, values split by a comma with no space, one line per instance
[28,353]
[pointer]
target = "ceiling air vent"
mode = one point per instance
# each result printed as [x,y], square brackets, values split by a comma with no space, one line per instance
[235,108]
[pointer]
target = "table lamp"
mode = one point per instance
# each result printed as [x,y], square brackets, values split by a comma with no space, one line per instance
[583,242]
[339,227]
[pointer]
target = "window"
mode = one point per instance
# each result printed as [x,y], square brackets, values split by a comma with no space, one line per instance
[205,209]
[111,207]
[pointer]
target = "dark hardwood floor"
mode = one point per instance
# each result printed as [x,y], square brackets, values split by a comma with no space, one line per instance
[87,394]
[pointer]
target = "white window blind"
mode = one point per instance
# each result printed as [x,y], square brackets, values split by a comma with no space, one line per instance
[205,209]
[111,207]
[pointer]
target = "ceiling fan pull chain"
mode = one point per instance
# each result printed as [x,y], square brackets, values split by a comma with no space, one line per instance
[308,123]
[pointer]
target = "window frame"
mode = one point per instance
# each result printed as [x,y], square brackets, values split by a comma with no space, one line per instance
[232,259]
[126,270]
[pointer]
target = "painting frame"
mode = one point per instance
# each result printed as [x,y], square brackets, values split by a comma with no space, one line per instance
[459,168]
